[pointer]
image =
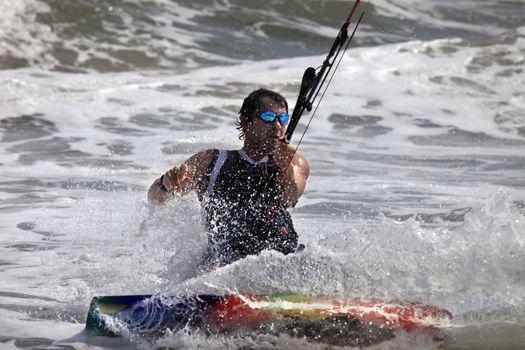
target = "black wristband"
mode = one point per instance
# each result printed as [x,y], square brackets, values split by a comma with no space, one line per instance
[161,185]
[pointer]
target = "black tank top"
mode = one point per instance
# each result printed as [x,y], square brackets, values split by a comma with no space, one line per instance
[243,209]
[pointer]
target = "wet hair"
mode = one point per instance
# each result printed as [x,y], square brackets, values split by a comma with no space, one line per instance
[252,104]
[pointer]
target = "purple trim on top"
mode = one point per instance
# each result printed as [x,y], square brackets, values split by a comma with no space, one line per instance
[221,158]
[251,161]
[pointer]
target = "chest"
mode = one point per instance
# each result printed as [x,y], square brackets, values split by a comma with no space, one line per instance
[238,179]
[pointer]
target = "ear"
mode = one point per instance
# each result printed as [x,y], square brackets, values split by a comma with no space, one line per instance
[245,122]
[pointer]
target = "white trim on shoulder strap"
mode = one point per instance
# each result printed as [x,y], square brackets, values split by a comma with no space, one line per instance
[247,158]
[221,158]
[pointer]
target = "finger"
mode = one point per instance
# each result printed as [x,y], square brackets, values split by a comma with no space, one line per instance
[170,172]
[184,181]
[170,178]
[183,169]
[183,176]
[177,177]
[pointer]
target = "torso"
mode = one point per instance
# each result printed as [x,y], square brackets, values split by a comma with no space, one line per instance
[243,208]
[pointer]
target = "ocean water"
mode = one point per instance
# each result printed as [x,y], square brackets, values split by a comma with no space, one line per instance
[417,188]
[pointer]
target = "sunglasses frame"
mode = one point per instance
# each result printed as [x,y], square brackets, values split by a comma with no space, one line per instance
[274,116]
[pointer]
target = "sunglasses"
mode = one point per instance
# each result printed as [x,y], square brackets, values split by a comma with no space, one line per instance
[270,117]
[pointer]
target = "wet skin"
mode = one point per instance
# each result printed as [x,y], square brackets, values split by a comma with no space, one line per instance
[260,139]
[263,138]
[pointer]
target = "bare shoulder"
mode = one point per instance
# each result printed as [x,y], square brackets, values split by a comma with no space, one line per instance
[301,165]
[199,163]
[298,161]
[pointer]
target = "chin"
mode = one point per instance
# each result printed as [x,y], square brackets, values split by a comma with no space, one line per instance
[272,146]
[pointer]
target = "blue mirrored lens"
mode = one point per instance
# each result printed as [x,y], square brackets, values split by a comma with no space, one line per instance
[270,117]
[283,118]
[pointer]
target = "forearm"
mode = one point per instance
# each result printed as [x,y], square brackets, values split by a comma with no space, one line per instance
[291,197]
[292,191]
[295,172]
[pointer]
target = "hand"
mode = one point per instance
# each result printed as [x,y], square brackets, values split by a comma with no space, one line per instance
[177,178]
[283,154]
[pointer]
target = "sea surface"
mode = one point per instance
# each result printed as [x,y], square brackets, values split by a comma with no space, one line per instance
[417,155]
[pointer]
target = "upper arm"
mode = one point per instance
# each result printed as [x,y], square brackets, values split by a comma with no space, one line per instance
[301,172]
[198,168]
[297,172]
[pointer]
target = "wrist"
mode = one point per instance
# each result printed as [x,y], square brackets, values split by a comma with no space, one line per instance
[163,187]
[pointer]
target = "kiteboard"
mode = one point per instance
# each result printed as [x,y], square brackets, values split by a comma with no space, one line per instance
[332,320]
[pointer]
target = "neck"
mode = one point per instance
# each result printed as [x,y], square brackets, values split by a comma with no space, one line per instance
[253,152]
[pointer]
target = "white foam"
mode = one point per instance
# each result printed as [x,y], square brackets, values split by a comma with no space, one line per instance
[21,35]
[109,242]
[402,72]
[428,12]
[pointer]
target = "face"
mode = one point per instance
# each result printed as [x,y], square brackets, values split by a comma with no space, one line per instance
[263,135]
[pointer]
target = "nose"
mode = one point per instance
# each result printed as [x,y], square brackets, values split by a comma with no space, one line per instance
[278,126]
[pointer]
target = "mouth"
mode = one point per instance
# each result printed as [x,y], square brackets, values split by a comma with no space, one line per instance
[273,141]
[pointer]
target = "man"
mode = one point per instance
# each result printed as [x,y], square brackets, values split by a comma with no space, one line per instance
[244,194]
